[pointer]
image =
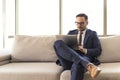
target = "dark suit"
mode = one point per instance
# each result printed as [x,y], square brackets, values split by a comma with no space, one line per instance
[91,43]
[75,60]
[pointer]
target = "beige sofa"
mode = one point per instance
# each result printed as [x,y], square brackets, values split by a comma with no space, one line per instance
[33,58]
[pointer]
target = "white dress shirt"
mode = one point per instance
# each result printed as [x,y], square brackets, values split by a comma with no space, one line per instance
[83,36]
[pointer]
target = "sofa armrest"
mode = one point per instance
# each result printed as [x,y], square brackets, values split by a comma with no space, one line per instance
[4,56]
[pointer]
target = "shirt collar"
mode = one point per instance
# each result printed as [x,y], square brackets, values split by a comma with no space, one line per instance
[84,31]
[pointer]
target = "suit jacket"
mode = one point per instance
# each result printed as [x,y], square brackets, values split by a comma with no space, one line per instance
[91,43]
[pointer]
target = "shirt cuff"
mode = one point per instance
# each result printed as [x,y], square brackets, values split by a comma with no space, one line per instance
[85,51]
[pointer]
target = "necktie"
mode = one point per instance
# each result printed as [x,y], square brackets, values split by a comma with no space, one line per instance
[80,38]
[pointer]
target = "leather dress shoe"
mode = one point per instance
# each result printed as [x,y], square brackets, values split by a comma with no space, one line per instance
[94,70]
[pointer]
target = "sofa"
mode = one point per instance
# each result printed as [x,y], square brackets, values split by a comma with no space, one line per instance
[34,58]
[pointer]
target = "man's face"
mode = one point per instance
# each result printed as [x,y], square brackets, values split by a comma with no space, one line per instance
[81,23]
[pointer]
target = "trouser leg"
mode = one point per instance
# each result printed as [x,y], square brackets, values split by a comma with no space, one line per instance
[65,63]
[77,72]
[69,54]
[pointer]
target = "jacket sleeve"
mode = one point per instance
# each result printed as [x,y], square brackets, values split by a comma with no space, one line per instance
[95,49]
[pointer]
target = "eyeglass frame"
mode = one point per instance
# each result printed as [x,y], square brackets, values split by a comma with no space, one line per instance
[80,23]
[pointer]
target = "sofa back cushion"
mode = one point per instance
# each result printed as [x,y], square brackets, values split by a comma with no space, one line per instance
[40,48]
[110,49]
[33,48]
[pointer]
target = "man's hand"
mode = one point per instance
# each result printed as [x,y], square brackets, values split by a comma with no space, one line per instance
[82,49]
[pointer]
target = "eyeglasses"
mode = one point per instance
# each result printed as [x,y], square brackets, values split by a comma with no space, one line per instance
[79,23]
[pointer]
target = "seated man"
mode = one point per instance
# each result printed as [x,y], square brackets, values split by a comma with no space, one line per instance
[83,59]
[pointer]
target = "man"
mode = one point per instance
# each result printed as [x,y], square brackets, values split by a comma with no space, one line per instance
[83,59]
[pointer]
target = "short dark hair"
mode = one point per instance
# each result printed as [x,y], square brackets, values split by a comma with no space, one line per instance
[82,15]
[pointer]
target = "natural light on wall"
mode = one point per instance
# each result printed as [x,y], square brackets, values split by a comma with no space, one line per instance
[9,22]
[113,17]
[93,8]
[1,26]
[51,17]
[38,17]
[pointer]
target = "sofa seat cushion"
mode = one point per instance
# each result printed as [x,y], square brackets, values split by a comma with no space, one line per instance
[110,71]
[30,71]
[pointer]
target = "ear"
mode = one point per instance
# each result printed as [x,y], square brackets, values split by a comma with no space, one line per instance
[87,22]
